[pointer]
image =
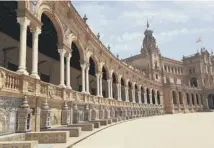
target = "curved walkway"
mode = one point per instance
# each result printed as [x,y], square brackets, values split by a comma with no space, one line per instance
[170,131]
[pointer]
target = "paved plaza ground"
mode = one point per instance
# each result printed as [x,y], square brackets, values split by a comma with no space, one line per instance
[193,130]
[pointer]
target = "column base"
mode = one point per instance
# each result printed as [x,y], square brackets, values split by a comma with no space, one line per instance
[68,87]
[36,76]
[62,85]
[22,71]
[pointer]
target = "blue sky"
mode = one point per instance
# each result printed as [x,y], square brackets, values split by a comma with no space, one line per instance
[176,25]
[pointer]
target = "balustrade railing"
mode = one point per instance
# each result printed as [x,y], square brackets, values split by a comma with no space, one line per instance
[13,82]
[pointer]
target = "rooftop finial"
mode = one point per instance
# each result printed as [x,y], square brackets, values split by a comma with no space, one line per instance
[85,18]
[147,24]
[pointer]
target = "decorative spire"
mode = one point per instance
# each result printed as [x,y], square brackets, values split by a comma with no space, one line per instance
[109,47]
[65,107]
[147,24]
[25,103]
[117,55]
[85,18]
[45,105]
[98,35]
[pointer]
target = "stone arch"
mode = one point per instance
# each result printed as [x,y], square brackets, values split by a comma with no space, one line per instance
[47,10]
[106,68]
[96,61]
[116,76]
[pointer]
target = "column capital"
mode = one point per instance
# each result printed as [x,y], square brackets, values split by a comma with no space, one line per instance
[83,65]
[23,21]
[68,55]
[35,29]
[97,74]
[62,51]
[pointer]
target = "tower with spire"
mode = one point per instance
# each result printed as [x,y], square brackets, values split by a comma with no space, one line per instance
[150,50]
[148,41]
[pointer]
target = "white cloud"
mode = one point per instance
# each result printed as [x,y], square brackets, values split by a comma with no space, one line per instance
[122,24]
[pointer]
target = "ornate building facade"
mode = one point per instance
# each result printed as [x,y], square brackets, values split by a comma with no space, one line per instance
[50,55]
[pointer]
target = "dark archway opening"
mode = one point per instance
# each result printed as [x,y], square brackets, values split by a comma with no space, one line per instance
[47,45]
[180,98]
[193,99]
[114,81]
[123,97]
[142,95]
[174,99]
[193,82]
[130,92]
[136,94]
[158,97]
[104,82]
[148,96]
[211,101]
[153,97]
[188,99]
[92,80]
[75,64]
[197,99]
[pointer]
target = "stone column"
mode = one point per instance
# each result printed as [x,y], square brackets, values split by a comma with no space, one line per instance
[101,85]
[68,82]
[156,101]
[87,78]
[145,98]
[62,69]
[118,91]
[126,94]
[111,86]
[98,83]
[139,96]
[24,22]
[150,98]
[83,77]
[35,31]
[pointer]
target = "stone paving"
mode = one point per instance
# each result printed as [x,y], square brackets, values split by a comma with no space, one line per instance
[193,130]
